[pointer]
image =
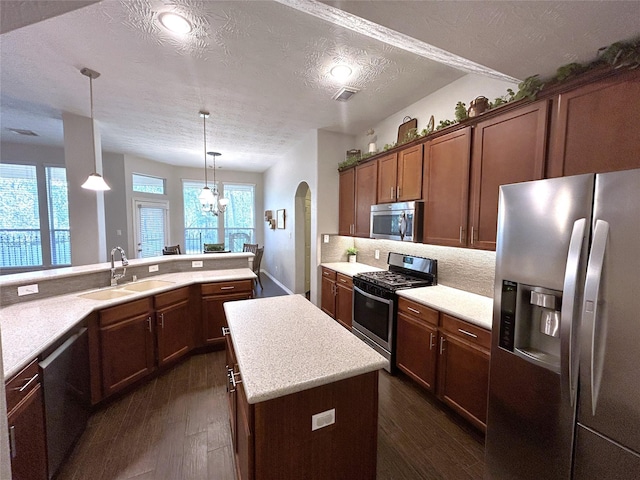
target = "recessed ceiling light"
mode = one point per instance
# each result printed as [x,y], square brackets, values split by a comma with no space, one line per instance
[341,72]
[175,22]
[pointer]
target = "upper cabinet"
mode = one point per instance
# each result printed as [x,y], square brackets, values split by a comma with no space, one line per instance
[400,176]
[507,148]
[446,185]
[347,202]
[366,179]
[595,127]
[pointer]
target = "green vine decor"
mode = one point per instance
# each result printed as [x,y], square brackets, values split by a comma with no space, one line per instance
[461,112]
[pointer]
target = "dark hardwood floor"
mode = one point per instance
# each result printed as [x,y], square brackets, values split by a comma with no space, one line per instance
[176,427]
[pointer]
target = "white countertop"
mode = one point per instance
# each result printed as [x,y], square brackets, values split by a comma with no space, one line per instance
[466,306]
[29,328]
[350,269]
[286,344]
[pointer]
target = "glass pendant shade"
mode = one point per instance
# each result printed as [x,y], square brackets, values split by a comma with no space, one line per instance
[96,182]
[207,200]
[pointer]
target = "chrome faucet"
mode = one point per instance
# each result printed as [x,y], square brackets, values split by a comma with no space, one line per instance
[117,276]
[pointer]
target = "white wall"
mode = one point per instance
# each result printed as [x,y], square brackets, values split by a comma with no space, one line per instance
[5,465]
[440,104]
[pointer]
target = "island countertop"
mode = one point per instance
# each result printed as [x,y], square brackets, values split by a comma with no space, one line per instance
[286,344]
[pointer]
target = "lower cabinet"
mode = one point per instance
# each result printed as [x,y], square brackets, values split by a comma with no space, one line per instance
[463,369]
[214,295]
[27,441]
[446,356]
[328,300]
[337,296]
[174,326]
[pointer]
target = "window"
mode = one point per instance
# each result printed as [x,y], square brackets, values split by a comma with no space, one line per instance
[148,184]
[236,226]
[151,227]
[20,241]
[58,203]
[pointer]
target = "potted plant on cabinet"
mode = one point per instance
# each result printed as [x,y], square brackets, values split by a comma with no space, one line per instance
[351,254]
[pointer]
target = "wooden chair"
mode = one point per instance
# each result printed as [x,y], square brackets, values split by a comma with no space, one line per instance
[256,264]
[171,250]
[250,247]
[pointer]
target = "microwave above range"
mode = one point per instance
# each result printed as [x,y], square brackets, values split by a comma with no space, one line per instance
[397,221]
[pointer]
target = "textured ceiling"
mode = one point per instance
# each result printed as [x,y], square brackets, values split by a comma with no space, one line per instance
[261,67]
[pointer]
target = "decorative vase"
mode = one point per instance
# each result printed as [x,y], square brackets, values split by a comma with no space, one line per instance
[352,259]
[372,147]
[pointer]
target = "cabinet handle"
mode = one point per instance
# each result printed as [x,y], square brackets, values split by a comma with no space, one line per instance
[398,189]
[461,234]
[468,333]
[343,280]
[234,381]
[472,235]
[12,441]
[228,288]
[431,343]
[413,310]
[149,322]
[392,192]
[162,321]
[225,331]
[26,384]
[441,345]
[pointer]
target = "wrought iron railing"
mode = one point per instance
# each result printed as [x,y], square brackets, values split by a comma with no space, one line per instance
[234,238]
[23,248]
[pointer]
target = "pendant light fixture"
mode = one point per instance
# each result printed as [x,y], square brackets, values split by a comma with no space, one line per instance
[221,203]
[95,181]
[207,200]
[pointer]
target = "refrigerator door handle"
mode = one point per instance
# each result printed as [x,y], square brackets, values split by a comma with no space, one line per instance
[590,319]
[569,313]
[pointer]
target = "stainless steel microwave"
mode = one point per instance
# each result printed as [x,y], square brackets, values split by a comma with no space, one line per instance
[397,221]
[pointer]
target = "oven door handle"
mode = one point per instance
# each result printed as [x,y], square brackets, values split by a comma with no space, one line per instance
[372,297]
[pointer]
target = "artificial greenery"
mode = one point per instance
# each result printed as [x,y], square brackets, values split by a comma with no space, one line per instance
[352,251]
[388,146]
[349,162]
[461,112]
[621,54]
[444,124]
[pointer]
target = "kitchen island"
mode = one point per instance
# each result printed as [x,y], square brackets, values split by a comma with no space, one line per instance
[303,392]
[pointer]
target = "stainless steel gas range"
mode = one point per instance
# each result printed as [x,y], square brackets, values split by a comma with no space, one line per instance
[375,299]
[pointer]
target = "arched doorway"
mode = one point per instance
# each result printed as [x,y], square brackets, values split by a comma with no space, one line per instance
[303,239]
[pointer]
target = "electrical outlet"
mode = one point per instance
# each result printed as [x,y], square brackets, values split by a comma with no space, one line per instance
[153,268]
[377,254]
[323,419]
[325,238]
[196,264]
[27,289]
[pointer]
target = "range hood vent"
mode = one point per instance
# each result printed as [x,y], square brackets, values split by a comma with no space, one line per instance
[345,94]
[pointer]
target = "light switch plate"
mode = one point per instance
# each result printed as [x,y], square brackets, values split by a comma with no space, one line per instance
[196,264]
[323,419]
[27,289]
[153,268]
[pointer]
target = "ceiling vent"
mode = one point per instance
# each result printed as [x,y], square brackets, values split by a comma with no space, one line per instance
[345,94]
[19,131]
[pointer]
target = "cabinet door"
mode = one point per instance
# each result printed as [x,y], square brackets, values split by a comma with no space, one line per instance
[366,181]
[509,148]
[463,378]
[27,437]
[127,352]
[344,300]
[596,128]
[446,177]
[347,202]
[328,302]
[231,392]
[213,316]
[175,332]
[387,178]
[410,174]
[244,429]
[416,351]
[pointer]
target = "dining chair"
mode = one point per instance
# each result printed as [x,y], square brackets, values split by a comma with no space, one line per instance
[171,250]
[250,247]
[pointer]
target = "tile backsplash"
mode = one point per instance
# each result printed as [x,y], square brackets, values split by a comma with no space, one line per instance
[463,268]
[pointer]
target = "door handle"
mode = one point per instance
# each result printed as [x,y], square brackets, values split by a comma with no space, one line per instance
[590,319]
[12,441]
[149,322]
[442,339]
[431,343]
[162,320]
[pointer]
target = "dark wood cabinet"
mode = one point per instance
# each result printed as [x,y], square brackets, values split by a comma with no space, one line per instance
[416,340]
[595,127]
[214,295]
[328,299]
[174,325]
[463,368]
[244,436]
[446,183]
[507,148]
[344,300]
[366,181]
[126,344]
[400,176]
[347,202]
[27,441]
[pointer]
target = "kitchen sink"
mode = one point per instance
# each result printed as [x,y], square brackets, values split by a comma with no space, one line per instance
[106,294]
[145,285]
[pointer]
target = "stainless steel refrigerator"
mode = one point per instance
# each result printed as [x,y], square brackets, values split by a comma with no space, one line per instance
[564,381]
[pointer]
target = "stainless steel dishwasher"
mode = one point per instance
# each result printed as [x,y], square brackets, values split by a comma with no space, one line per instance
[65,382]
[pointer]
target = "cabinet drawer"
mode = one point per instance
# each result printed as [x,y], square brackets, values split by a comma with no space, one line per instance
[127,310]
[169,298]
[467,331]
[328,273]
[344,280]
[417,310]
[227,287]
[20,385]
